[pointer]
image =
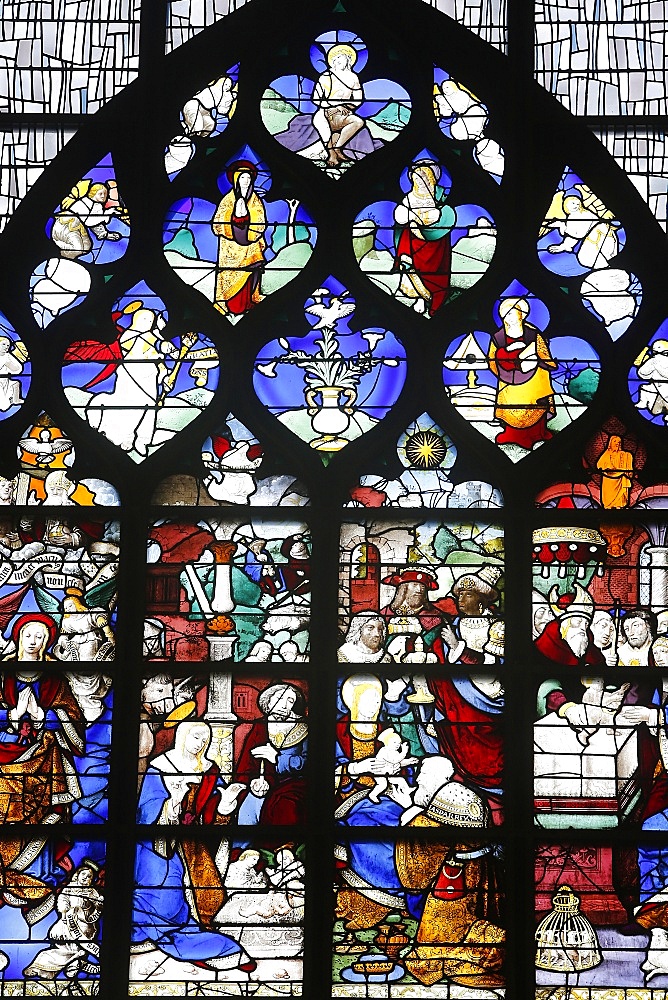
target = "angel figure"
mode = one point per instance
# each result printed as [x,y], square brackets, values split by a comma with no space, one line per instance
[13,356]
[85,632]
[587,228]
[451,100]
[89,207]
[46,447]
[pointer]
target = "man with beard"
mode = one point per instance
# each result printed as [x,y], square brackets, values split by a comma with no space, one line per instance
[365,640]
[638,629]
[272,758]
[541,613]
[567,639]
[411,613]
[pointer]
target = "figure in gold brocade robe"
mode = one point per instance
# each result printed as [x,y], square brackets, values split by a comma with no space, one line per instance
[240,223]
[520,358]
[459,938]
[38,778]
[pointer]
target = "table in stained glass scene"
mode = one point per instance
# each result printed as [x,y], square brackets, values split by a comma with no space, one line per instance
[588,771]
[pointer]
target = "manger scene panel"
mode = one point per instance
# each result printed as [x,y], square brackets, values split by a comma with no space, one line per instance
[221,918]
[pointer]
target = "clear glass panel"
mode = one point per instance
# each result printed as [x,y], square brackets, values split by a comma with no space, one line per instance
[67,58]
[643,155]
[603,58]
[24,153]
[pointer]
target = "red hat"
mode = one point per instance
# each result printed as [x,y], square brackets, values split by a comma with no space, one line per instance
[413,574]
[34,617]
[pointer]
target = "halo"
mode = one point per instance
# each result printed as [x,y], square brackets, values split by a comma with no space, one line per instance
[180,713]
[432,164]
[342,49]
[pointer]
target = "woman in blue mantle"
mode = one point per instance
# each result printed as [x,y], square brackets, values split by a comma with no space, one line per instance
[180,889]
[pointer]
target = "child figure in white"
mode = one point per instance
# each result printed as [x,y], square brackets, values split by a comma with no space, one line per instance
[394,753]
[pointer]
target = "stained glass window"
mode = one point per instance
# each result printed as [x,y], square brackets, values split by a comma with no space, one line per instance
[334,351]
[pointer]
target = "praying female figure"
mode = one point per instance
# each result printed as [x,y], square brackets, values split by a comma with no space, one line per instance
[32,635]
[422,239]
[616,468]
[44,732]
[240,224]
[180,889]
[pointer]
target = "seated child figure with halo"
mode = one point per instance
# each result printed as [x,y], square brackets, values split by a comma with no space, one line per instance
[394,754]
